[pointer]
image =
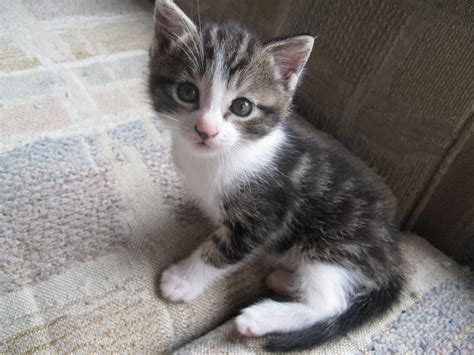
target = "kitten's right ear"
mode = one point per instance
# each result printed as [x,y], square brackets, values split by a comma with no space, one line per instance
[171,23]
[290,55]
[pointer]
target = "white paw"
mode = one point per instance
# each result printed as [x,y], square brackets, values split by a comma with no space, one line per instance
[253,322]
[176,287]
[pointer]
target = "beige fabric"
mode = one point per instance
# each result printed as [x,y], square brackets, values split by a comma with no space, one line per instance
[110,304]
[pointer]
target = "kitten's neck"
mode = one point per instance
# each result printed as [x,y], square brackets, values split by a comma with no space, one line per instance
[209,177]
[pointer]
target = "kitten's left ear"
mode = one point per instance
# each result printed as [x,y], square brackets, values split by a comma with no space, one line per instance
[290,56]
[171,23]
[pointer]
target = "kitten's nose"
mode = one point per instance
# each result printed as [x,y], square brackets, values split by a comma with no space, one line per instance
[205,132]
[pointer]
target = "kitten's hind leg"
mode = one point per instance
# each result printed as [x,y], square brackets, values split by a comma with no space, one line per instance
[324,290]
[281,281]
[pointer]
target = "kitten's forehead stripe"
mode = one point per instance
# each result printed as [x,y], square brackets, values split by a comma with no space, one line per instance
[213,36]
[242,52]
[220,36]
[243,56]
[218,82]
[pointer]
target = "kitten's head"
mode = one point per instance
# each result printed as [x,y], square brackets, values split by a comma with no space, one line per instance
[219,87]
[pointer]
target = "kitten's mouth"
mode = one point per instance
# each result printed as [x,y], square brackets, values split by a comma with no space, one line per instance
[203,145]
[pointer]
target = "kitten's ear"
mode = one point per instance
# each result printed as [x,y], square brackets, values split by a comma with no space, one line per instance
[171,23]
[290,56]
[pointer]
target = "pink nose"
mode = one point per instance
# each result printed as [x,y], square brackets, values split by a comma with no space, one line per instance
[205,130]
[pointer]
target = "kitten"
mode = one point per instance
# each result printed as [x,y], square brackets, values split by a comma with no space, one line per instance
[226,97]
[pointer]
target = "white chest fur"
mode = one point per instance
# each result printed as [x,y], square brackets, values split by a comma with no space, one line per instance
[209,177]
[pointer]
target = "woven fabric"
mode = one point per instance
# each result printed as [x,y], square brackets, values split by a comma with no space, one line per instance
[91,206]
[454,228]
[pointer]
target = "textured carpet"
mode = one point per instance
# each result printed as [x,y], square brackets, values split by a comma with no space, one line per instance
[91,207]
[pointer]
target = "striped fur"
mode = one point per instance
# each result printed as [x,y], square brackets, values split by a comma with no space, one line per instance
[269,190]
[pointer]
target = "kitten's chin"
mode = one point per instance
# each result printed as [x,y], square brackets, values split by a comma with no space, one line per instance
[203,148]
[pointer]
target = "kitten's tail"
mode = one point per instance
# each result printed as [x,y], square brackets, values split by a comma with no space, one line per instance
[363,308]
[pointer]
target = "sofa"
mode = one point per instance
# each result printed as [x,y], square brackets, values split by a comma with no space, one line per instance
[92,208]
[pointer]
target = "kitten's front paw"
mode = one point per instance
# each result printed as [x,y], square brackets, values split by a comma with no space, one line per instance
[176,288]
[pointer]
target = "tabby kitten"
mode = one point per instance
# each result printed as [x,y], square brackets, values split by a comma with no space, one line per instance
[226,97]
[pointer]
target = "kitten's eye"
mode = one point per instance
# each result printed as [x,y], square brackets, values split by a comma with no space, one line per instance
[188,92]
[241,107]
